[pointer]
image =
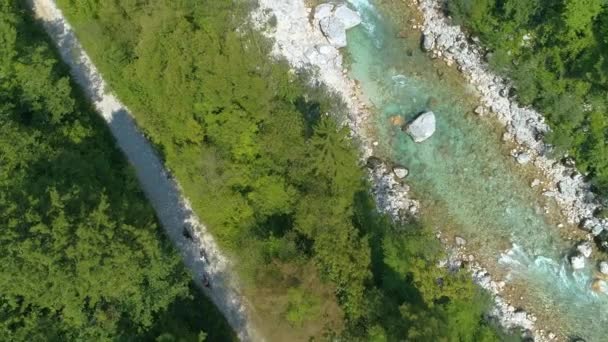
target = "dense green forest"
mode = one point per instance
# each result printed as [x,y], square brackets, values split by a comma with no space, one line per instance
[555,52]
[275,179]
[83,257]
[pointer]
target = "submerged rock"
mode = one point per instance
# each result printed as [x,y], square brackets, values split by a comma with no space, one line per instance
[397,120]
[460,241]
[422,127]
[599,286]
[428,42]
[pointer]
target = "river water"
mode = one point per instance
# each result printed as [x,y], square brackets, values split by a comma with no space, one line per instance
[466,181]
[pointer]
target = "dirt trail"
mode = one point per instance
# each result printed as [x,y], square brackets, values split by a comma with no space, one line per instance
[172,209]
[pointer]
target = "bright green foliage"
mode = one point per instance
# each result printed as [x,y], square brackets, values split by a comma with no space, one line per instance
[413,299]
[82,256]
[560,67]
[302,305]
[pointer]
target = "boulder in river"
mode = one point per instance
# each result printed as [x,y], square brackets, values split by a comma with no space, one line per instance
[577,261]
[523,158]
[334,21]
[422,127]
[603,266]
[460,241]
[347,16]
[400,171]
[397,120]
[428,42]
[323,11]
[585,248]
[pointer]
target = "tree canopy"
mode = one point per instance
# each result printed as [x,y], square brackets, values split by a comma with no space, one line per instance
[83,256]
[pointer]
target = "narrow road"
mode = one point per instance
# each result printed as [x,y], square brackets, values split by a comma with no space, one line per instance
[199,251]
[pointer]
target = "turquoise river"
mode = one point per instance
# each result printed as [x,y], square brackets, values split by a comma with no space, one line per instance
[464,177]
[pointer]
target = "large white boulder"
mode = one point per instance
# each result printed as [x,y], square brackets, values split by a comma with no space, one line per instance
[422,127]
[347,16]
[577,261]
[334,21]
[585,248]
[334,30]
[400,172]
[323,11]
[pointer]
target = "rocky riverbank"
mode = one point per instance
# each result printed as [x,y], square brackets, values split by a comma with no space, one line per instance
[300,39]
[524,126]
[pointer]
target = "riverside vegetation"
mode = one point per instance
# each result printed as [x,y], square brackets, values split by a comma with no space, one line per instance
[83,257]
[275,179]
[555,53]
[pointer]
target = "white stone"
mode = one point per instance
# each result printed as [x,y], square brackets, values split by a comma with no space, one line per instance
[422,127]
[523,158]
[400,172]
[347,16]
[333,29]
[460,241]
[597,230]
[323,11]
[603,266]
[585,249]
[577,261]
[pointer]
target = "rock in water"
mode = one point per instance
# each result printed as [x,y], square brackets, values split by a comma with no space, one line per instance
[577,261]
[334,31]
[334,21]
[604,267]
[523,158]
[397,120]
[422,127]
[428,42]
[347,16]
[400,172]
[460,241]
[585,248]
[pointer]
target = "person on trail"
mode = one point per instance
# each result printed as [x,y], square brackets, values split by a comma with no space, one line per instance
[203,255]
[186,233]
[206,282]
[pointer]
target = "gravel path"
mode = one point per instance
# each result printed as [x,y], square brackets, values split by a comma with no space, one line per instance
[172,209]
